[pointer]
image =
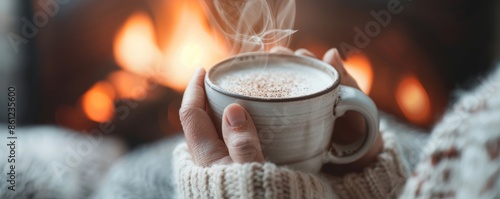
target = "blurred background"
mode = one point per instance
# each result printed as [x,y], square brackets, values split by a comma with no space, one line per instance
[80,64]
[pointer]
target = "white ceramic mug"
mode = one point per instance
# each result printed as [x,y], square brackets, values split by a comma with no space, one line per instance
[297,131]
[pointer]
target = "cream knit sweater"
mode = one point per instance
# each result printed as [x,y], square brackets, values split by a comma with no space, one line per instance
[461,160]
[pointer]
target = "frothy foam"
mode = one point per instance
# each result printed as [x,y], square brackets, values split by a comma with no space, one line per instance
[274,81]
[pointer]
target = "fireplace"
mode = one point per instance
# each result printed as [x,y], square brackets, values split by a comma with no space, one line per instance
[128,62]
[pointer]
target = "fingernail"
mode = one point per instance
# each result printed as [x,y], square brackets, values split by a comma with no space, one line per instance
[200,70]
[236,115]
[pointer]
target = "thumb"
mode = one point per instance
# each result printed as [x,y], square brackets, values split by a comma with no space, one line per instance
[240,135]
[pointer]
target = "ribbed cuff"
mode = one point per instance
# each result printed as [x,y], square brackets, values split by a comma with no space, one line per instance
[384,179]
[251,180]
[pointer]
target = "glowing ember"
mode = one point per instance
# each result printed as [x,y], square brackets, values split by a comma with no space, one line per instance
[126,84]
[413,100]
[97,102]
[135,46]
[359,66]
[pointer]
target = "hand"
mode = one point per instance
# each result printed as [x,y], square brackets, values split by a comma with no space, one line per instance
[351,126]
[241,143]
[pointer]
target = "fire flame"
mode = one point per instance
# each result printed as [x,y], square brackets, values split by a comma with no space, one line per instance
[413,100]
[191,46]
[98,102]
[135,46]
[359,67]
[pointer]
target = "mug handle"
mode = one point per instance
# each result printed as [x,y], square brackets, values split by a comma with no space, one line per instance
[351,99]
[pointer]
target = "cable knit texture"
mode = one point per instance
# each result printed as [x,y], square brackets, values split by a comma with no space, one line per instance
[255,180]
[384,179]
[252,180]
[462,157]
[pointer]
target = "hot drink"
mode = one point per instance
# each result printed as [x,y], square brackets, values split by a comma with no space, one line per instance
[274,80]
[293,102]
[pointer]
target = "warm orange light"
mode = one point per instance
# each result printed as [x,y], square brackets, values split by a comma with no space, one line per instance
[97,102]
[413,100]
[127,84]
[135,46]
[359,67]
[191,46]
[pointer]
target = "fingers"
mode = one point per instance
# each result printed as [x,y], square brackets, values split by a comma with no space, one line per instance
[201,136]
[304,52]
[332,57]
[281,50]
[240,135]
[300,52]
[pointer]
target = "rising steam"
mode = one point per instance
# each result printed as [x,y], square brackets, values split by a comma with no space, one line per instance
[252,25]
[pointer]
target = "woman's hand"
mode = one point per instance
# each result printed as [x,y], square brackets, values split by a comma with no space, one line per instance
[241,143]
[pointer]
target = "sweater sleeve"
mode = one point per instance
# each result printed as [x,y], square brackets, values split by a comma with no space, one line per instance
[251,180]
[383,179]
